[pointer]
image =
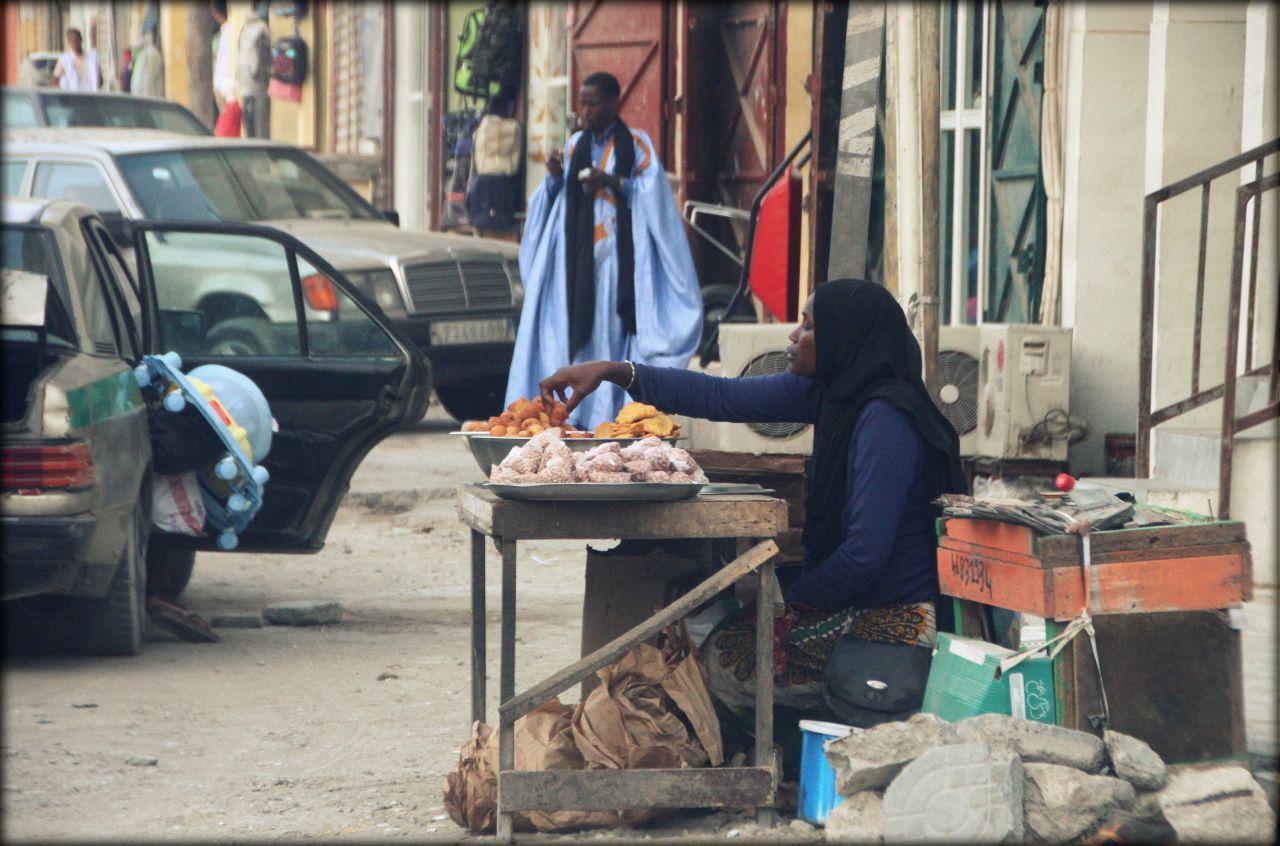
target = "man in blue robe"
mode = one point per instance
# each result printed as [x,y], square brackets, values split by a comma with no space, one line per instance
[605,263]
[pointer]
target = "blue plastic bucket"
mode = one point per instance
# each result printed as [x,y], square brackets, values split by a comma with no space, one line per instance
[818,795]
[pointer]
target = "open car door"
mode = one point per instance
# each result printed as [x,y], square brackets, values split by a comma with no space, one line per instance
[338,377]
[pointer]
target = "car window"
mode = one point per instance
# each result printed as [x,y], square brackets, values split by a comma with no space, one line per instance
[121,290]
[223,295]
[337,327]
[18,111]
[73,181]
[190,185]
[71,110]
[238,185]
[32,249]
[14,170]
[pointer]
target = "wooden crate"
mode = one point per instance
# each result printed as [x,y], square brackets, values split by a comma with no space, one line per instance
[1170,656]
[1165,568]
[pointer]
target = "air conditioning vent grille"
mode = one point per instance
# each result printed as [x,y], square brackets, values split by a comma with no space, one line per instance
[767,364]
[958,389]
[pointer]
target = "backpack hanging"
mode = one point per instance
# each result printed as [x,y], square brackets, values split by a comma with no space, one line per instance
[496,60]
[289,60]
[464,81]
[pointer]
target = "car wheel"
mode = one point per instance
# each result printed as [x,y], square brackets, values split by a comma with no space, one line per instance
[478,399]
[113,625]
[715,302]
[241,336]
[169,569]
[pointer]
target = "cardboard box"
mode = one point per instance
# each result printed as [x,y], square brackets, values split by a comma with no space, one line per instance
[962,682]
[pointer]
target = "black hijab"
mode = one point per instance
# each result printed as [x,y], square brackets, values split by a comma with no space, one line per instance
[864,351]
[579,240]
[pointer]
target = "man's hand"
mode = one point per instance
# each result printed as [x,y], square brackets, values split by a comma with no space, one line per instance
[599,179]
[582,379]
[555,163]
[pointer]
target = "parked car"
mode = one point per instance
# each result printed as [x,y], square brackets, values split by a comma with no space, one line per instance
[458,298]
[37,68]
[76,476]
[28,107]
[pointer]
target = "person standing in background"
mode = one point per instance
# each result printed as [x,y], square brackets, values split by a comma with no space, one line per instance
[226,94]
[77,69]
[126,70]
[253,73]
[148,68]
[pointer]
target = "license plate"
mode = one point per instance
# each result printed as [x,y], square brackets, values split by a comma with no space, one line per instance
[472,331]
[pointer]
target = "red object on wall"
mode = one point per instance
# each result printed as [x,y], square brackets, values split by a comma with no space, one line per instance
[775,251]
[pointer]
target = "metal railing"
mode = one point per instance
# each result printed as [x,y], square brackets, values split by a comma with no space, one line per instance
[1246,195]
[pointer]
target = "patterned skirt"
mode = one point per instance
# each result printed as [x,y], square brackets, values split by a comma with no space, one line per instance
[803,640]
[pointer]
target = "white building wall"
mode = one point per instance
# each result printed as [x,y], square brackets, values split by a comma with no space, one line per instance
[1104,152]
[1195,97]
[412,158]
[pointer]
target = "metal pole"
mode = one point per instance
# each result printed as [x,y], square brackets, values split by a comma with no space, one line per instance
[927,16]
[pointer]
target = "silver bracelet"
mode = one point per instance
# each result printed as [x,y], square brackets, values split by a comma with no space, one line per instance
[632,381]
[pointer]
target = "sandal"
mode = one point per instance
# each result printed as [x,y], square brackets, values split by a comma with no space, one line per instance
[183,622]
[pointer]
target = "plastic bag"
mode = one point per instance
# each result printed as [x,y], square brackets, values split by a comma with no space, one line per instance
[176,505]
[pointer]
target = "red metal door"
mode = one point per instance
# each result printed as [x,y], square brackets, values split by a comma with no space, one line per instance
[628,40]
[745,95]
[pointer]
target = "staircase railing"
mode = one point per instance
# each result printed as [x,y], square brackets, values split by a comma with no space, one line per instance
[1246,195]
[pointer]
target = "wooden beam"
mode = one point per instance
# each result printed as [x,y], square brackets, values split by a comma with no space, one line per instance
[609,790]
[523,703]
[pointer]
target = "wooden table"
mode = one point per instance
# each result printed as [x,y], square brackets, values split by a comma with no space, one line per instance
[508,522]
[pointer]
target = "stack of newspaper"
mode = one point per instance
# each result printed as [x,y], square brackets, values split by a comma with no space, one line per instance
[1051,516]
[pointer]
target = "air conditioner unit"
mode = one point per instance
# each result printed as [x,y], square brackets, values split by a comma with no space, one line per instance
[753,349]
[957,369]
[1024,389]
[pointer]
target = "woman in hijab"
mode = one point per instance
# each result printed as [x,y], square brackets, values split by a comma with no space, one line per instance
[882,452]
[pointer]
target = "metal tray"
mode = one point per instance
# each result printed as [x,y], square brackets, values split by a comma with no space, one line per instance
[598,491]
[489,450]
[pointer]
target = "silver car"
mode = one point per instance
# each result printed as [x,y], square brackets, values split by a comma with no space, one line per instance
[458,298]
[76,456]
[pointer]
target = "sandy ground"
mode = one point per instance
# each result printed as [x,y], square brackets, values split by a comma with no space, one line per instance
[335,732]
[341,731]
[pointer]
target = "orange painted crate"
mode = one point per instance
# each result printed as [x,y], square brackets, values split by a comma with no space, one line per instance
[1162,568]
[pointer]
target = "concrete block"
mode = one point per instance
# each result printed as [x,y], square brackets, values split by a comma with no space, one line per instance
[1063,803]
[963,793]
[303,613]
[1032,741]
[1135,761]
[872,759]
[1219,805]
[858,819]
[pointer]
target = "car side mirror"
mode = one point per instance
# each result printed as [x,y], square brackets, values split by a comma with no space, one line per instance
[120,229]
[391,216]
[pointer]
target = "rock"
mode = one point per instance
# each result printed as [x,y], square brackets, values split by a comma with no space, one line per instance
[1135,761]
[872,759]
[858,819]
[303,613]
[801,826]
[962,793]
[1218,805]
[142,761]
[1063,803]
[237,620]
[1147,804]
[1037,742]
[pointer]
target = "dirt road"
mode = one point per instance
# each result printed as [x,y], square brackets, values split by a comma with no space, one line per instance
[333,731]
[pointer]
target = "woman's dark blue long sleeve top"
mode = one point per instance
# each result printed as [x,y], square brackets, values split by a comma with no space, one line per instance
[888,554]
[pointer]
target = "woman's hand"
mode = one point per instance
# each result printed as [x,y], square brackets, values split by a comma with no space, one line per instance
[582,379]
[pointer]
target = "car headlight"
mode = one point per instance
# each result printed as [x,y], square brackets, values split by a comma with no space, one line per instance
[380,286]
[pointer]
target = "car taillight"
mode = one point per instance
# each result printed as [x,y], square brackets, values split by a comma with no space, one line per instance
[46,466]
[319,292]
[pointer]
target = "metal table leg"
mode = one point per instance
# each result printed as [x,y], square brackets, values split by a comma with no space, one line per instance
[507,680]
[479,662]
[765,817]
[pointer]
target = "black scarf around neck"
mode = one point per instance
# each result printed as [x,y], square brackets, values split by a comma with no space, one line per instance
[865,351]
[579,240]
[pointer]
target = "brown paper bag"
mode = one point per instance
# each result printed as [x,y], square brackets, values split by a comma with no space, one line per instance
[471,791]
